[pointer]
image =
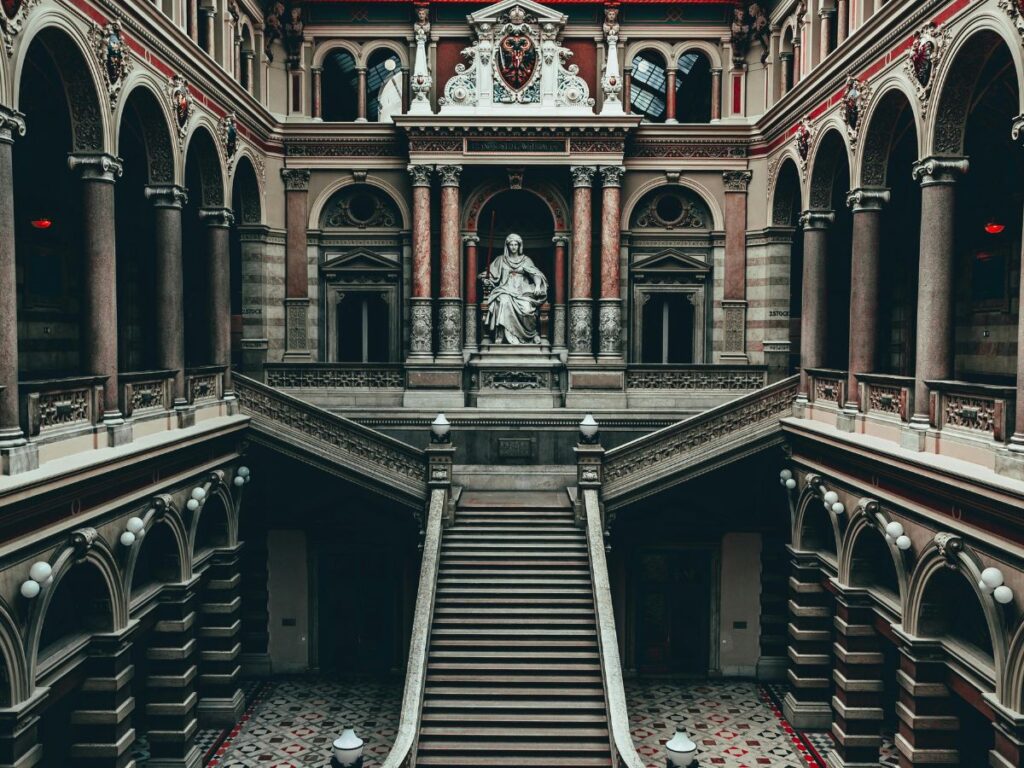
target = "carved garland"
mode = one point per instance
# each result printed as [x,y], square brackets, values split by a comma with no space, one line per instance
[805,133]
[853,106]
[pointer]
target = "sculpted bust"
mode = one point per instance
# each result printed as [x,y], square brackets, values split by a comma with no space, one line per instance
[517,290]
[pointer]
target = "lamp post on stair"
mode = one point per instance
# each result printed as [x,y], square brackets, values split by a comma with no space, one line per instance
[589,458]
[440,456]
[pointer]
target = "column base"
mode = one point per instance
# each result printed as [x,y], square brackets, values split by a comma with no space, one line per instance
[186,415]
[834,760]
[846,419]
[580,332]
[449,331]
[913,437]
[119,431]
[469,329]
[807,715]
[1010,461]
[18,455]
[296,331]
[230,404]
[610,329]
[596,384]
[801,405]
[433,384]
[221,712]
[772,668]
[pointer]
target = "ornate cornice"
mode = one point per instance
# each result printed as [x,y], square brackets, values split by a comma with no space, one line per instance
[295,179]
[736,181]
[939,170]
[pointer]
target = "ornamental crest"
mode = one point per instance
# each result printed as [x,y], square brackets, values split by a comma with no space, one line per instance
[853,106]
[923,59]
[1015,10]
[517,54]
[114,57]
[229,136]
[804,139]
[12,20]
[181,103]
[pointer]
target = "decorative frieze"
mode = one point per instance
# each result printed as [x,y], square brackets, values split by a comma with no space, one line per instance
[712,377]
[655,148]
[515,380]
[335,377]
[351,147]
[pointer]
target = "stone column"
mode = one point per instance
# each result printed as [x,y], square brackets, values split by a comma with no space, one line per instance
[670,94]
[218,223]
[826,33]
[797,66]
[807,705]
[250,83]
[421,334]
[220,699]
[786,73]
[610,305]
[361,90]
[843,25]
[296,265]
[867,207]
[937,176]
[208,21]
[168,200]
[317,93]
[929,728]
[627,89]
[193,20]
[472,318]
[449,310]
[15,453]
[580,300]
[98,172]
[1016,441]
[716,93]
[560,241]
[813,313]
[171,682]
[734,299]
[857,705]
[101,732]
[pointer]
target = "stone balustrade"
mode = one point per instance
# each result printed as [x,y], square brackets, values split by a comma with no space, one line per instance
[146,392]
[335,375]
[826,387]
[886,395]
[976,409]
[52,407]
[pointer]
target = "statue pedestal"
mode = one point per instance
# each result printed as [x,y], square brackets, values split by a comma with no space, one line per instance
[515,376]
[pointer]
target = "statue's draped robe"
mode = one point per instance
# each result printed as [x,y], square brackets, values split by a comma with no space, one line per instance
[519,290]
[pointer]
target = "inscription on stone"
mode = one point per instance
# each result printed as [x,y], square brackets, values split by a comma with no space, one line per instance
[515,447]
[515,145]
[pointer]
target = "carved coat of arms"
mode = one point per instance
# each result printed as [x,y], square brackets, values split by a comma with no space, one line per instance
[181,101]
[923,58]
[113,55]
[517,52]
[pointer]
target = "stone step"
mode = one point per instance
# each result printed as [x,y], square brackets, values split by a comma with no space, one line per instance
[504,733]
[488,692]
[506,645]
[496,600]
[498,632]
[511,655]
[512,761]
[537,718]
[443,706]
[510,683]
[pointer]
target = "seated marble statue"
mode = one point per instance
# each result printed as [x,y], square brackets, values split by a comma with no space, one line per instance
[517,290]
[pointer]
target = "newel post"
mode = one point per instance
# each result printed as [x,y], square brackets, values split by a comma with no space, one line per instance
[440,457]
[589,462]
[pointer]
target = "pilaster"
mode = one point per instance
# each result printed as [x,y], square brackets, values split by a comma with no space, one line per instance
[813,315]
[220,698]
[734,301]
[808,703]
[296,303]
[101,732]
[929,728]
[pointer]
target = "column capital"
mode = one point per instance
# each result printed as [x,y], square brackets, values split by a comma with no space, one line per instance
[785,55]
[562,240]
[867,199]
[817,219]
[12,123]
[737,181]
[939,170]
[470,239]
[295,179]
[1016,127]
[216,217]
[449,175]
[582,175]
[420,175]
[611,175]
[316,70]
[96,166]
[166,195]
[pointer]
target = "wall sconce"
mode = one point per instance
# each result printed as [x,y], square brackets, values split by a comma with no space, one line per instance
[894,535]
[589,430]
[786,479]
[991,583]
[40,573]
[242,476]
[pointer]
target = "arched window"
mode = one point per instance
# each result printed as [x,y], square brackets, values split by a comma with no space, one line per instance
[647,86]
[383,76]
[340,89]
[693,88]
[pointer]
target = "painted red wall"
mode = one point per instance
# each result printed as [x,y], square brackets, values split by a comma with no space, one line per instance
[584,56]
[449,53]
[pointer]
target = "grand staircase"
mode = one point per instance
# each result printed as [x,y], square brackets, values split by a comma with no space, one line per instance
[513,675]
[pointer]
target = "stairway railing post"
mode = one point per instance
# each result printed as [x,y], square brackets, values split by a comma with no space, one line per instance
[440,457]
[589,465]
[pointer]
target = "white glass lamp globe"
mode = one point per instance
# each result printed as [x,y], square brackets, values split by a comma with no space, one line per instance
[192,505]
[903,542]
[838,508]
[785,474]
[894,529]
[239,481]
[588,427]
[1003,594]
[127,538]
[790,483]
[831,497]
[30,589]
[243,471]
[198,493]
[40,571]
[348,747]
[992,577]
[681,750]
[135,524]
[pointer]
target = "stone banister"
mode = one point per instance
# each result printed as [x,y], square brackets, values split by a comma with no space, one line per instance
[661,459]
[362,455]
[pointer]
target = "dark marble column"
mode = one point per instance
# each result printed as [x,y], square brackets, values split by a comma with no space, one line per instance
[670,93]
[734,298]
[581,297]
[610,304]
[867,205]
[716,93]
[449,308]
[221,702]
[1017,440]
[929,729]
[421,334]
[168,200]
[807,705]
[15,453]
[296,301]
[218,222]
[472,319]
[785,60]
[97,173]
[813,314]
[209,17]
[317,93]
[937,176]
[101,732]
[560,241]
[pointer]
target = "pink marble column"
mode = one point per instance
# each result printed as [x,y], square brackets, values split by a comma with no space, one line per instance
[786,60]
[610,305]
[867,205]
[560,242]
[581,319]
[734,298]
[797,67]
[843,25]
[361,102]
[449,310]
[813,314]
[627,90]
[317,93]
[670,94]
[716,93]
[471,289]
[296,200]
[937,176]
[826,33]
[421,333]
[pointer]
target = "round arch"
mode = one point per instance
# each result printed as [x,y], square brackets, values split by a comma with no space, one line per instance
[664,50]
[710,50]
[247,181]
[947,553]
[219,497]
[211,167]
[863,545]
[370,48]
[161,514]
[142,94]
[787,188]
[324,50]
[958,77]
[825,161]
[317,208]
[1013,679]
[891,97]
[65,43]
[12,652]
[547,193]
[717,216]
[809,505]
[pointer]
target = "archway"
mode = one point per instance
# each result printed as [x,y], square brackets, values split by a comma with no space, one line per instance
[872,566]
[693,88]
[647,86]
[817,533]
[248,212]
[339,87]
[787,204]
[381,66]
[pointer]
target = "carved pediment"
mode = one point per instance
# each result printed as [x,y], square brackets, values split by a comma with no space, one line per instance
[671,261]
[494,13]
[359,260]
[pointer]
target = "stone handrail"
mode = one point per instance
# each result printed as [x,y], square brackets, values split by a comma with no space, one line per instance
[363,455]
[649,463]
[403,753]
[608,644]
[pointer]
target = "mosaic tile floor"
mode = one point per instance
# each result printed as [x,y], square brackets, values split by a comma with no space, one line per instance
[291,723]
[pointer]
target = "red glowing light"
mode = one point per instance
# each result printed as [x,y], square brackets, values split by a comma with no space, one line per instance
[42,223]
[994,227]
[983,256]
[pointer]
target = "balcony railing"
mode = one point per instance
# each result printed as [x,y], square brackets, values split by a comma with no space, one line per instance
[335,375]
[204,384]
[827,386]
[51,407]
[885,395]
[974,409]
[145,393]
[700,377]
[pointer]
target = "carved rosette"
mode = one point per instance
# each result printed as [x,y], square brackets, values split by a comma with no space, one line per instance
[181,104]
[926,50]
[449,327]
[12,20]
[610,325]
[421,331]
[114,56]
[580,330]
